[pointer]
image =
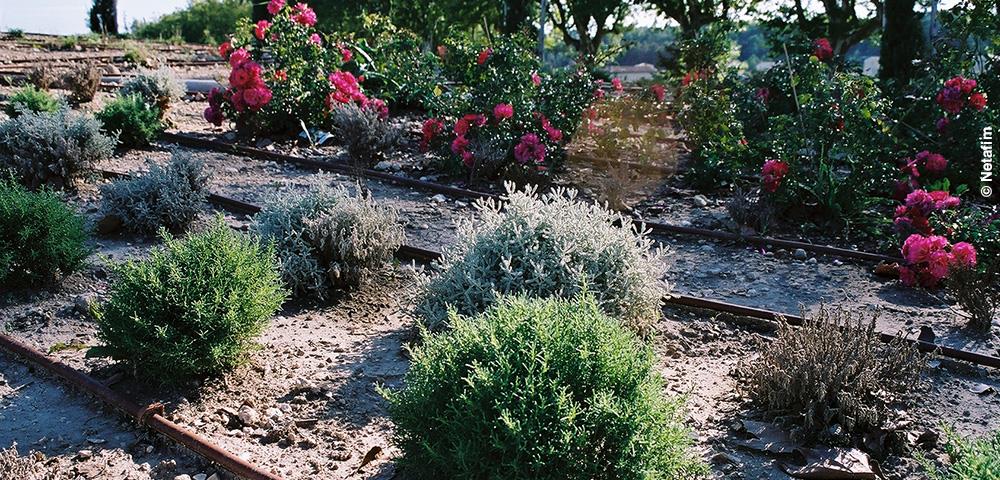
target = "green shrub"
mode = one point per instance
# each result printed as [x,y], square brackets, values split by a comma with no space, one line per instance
[136,123]
[193,308]
[159,88]
[547,246]
[54,149]
[329,238]
[168,197]
[834,370]
[538,389]
[30,99]
[971,459]
[40,236]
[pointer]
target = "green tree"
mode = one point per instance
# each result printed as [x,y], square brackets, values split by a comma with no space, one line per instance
[844,23]
[104,17]
[585,23]
[692,15]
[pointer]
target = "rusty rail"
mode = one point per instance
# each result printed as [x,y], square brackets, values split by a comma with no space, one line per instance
[150,415]
[655,227]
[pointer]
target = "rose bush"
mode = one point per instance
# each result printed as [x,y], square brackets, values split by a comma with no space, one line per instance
[284,75]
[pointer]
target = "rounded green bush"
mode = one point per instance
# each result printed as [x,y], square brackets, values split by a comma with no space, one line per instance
[40,236]
[30,99]
[538,389]
[192,308]
[137,122]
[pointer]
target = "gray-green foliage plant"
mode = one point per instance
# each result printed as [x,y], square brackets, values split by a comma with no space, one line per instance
[833,370]
[548,245]
[159,88]
[538,389]
[329,238]
[53,148]
[365,135]
[193,308]
[167,196]
[40,236]
[30,99]
[135,122]
[970,458]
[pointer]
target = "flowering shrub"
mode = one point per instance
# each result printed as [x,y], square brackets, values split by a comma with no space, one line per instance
[505,118]
[772,173]
[301,83]
[930,258]
[958,94]
[822,49]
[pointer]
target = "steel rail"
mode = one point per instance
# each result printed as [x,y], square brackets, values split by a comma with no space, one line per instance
[682,300]
[655,227]
[149,416]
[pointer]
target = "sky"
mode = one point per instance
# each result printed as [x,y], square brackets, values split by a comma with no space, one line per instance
[67,17]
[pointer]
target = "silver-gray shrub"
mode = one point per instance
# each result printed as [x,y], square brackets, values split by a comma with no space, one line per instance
[166,196]
[329,238]
[364,134]
[545,246]
[159,88]
[53,148]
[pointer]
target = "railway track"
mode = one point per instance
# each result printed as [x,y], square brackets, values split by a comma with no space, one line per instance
[655,227]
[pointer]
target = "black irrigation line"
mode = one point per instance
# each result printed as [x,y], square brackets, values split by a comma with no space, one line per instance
[655,227]
[682,300]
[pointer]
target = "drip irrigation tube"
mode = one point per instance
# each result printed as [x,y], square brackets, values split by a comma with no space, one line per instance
[150,415]
[656,227]
[425,255]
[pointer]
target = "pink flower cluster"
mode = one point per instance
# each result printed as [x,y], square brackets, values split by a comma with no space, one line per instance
[529,150]
[772,173]
[659,91]
[484,56]
[930,258]
[304,15]
[247,90]
[554,133]
[959,92]
[345,90]
[617,85]
[430,129]
[925,162]
[914,214]
[822,49]
[460,145]
[503,111]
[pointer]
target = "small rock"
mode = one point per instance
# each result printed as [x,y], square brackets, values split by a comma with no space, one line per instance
[811,261]
[248,416]
[84,454]
[273,413]
[111,70]
[387,166]
[439,198]
[700,201]
[82,303]
[200,476]
[264,142]
[800,254]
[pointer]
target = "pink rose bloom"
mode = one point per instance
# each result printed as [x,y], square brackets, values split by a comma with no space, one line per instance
[822,49]
[529,150]
[304,15]
[942,125]
[346,54]
[256,97]
[977,101]
[280,75]
[315,39]
[503,111]
[943,200]
[225,48]
[772,173]
[468,159]
[459,144]
[934,162]
[617,84]
[274,6]
[964,254]
[907,276]
[659,91]
[428,131]
[239,57]
[214,116]
[554,133]
[260,29]
[921,201]
[536,79]
[938,264]
[484,56]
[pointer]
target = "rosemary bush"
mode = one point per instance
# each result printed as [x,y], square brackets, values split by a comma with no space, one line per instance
[538,389]
[40,236]
[135,122]
[193,308]
[30,99]
[170,196]
[548,245]
[329,238]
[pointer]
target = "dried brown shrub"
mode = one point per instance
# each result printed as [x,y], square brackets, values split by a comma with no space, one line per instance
[82,82]
[40,76]
[978,293]
[21,468]
[748,208]
[833,370]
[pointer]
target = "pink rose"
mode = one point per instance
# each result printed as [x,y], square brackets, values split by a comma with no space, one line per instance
[503,111]
[274,6]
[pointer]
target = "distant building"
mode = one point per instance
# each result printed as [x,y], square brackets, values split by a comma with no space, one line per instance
[632,73]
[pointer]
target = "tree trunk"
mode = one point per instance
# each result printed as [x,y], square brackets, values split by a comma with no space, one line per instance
[902,40]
